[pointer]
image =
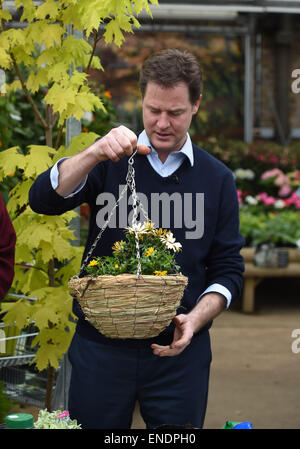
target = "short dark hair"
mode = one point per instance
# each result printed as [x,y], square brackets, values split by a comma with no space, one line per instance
[169,67]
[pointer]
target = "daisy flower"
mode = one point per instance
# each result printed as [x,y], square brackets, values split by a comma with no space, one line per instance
[139,228]
[170,242]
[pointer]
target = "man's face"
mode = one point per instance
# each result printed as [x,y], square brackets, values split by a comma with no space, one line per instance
[167,115]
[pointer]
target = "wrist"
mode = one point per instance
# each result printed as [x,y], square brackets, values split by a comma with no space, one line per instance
[209,307]
[95,153]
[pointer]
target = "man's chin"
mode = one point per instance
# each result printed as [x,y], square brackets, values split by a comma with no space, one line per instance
[162,145]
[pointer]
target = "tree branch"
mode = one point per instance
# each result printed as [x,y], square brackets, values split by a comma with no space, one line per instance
[27,93]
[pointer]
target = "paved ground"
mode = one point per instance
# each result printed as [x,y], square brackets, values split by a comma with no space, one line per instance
[255,374]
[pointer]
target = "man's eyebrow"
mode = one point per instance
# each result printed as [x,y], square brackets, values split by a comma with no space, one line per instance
[172,110]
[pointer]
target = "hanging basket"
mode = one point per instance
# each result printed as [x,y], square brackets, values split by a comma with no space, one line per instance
[128,305]
[125,306]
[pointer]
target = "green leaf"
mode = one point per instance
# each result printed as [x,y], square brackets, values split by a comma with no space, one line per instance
[113,33]
[5,59]
[52,35]
[38,160]
[49,8]
[5,15]
[19,195]
[18,314]
[11,159]
[37,79]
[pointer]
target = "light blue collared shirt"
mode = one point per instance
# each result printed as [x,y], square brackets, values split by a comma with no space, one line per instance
[172,163]
[174,159]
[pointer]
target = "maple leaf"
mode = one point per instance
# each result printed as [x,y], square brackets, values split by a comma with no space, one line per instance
[38,160]
[5,59]
[11,159]
[17,313]
[49,8]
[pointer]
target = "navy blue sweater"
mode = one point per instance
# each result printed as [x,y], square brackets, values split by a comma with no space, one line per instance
[199,204]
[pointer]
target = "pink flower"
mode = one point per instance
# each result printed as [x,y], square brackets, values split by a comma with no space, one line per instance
[266,199]
[269,201]
[239,193]
[262,196]
[293,200]
[285,190]
[271,173]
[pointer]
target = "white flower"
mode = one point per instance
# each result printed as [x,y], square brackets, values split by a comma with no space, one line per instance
[242,173]
[251,200]
[279,204]
[138,227]
[170,242]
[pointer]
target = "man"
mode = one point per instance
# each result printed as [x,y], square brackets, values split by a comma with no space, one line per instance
[167,374]
[7,250]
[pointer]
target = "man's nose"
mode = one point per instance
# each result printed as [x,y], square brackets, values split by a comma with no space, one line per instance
[163,121]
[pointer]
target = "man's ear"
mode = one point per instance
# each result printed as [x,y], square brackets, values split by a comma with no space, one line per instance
[196,105]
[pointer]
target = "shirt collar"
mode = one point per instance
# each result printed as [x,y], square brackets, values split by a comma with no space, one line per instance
[186,150]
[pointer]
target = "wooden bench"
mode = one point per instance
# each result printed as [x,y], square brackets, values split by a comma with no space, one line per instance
[253,275]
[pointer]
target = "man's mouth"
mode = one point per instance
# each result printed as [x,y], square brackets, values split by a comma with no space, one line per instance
[162,135]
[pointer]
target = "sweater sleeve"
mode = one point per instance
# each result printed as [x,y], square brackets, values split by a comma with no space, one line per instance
[43,199]
[224,263]
[7,250]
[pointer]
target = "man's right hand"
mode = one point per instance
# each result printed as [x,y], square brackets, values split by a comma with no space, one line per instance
[119,142]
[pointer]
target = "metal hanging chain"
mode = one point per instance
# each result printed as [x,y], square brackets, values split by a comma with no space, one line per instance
[130,182]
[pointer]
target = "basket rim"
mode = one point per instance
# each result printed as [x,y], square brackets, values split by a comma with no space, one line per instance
[129,275]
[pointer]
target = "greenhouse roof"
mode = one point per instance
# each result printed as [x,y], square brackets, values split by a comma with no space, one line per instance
[219,9]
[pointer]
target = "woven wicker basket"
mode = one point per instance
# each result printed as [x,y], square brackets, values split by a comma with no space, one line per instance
[123,306]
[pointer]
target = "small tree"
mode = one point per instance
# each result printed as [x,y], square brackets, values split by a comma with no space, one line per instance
[45,55]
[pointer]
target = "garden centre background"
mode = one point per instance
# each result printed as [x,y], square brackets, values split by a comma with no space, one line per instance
[250,119]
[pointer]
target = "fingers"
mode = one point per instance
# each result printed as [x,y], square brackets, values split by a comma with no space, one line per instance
[143,149]
[119,142]
[183,335]
[169,350]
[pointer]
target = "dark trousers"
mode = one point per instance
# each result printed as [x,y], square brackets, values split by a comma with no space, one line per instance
[107,380]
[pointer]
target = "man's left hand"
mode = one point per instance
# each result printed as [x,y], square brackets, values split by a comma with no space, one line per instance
[208,308]
[182,337]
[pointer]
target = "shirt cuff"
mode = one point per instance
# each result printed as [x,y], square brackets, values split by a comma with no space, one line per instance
[54,179]
[218,288]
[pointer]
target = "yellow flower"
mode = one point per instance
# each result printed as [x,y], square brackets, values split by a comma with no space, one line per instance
[149,226]
[149,251]
[93,263]
[160,273]
[116,265]
[118,246]
[160,232]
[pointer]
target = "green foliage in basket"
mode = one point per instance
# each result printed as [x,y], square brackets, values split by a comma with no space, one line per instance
[157,248]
